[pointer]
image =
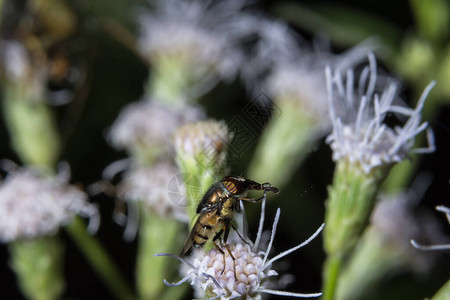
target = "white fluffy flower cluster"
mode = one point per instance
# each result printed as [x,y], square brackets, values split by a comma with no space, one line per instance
[149,125]
[201,35]
[151,186]
[247,277]
[205,141]
[248,268]
[32,205]
[301,81]
[360,133]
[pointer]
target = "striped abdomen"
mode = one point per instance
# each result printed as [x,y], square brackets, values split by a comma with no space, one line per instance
[205,226]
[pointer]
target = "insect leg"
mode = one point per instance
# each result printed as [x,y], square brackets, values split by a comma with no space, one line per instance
[217,236]
[242,239]
[225,228]
[234,261]
[225,238]
[227,232]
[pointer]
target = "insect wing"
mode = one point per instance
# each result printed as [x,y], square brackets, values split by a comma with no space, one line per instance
[210,197]
[199,227]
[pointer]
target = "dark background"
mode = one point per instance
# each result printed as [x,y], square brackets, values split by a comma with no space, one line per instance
[115,77]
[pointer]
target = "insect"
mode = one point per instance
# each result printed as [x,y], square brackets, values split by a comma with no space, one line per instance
[216,210]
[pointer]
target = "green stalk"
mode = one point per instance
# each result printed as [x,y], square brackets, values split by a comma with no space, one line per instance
[201,157]
[351,200]
[31,127]
[197,183]
[373,260]
[100,260]
[443,293]
[156,235]
[38,267]
[168,81]
[282,146]
[331,274]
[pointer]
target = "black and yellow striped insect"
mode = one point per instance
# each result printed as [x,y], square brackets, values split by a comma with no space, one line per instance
[217,208]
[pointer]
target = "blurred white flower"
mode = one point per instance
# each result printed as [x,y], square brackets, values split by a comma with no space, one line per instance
[33,205]
[150,186]
[247,277]
[146,127]
[416,245]
[203,141]
[202,37]
[275,45]
[359,132]
[395,221]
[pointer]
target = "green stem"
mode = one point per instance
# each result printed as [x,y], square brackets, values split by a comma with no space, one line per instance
[169,81]
[282,146]
[198,176]
[31,127]
[373,260]
[331,274]
[100,260]
[443,293]
[351,200]
[38,267]
[156,235]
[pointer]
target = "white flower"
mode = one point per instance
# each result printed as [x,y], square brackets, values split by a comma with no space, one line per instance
[150,185]
[291,71]
[359,134]
[276,45]
[396,222]
[203,36]
[416,245]
[32,205]
[252,269]
[204,141]
[149,125]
